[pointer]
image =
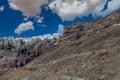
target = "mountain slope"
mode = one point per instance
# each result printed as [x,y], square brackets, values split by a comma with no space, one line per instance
[86,51]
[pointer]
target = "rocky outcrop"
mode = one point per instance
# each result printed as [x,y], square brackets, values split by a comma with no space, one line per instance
[23,52]
[1,44]
[18,43]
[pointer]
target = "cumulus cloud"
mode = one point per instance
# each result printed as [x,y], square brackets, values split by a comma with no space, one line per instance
[60,29]
[24,27]
[2,8]
[29,8]
[70,9]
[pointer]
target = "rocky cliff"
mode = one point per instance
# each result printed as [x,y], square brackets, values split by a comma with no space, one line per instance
[86,51]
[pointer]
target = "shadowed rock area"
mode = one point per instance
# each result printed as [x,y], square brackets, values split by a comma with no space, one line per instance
[86,51]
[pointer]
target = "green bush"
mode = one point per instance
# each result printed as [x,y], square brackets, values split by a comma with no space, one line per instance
[94,53]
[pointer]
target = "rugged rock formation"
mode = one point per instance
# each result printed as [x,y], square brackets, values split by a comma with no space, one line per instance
[17,53]
[86,51]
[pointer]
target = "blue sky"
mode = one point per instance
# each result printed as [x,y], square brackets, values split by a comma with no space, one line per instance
[48,19]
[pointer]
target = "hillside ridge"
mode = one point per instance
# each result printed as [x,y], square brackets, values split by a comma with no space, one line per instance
[86,51]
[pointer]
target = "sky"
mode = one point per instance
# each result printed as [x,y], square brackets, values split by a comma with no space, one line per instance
[27,18]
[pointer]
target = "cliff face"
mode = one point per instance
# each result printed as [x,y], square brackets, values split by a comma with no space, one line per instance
[86,51]
[17,53]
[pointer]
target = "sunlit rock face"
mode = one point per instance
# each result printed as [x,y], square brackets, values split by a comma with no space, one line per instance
[18,43]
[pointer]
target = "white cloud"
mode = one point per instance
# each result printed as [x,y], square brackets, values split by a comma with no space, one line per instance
[2,8]
[29,26]
[29,8]
[70,9]
[39,19]
[24,27]
[60,29]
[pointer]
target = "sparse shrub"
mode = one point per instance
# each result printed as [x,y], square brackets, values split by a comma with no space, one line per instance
[13,47]
[93,53]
